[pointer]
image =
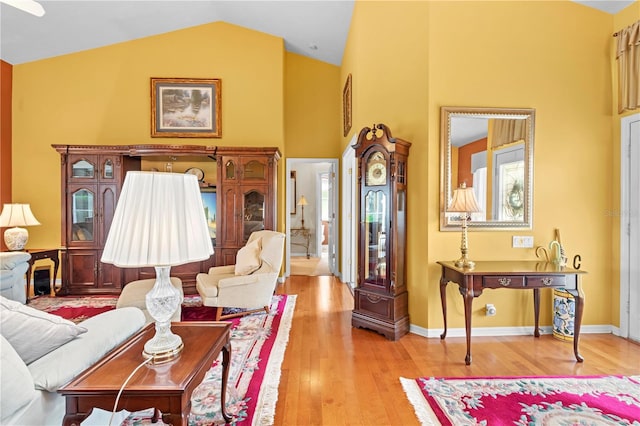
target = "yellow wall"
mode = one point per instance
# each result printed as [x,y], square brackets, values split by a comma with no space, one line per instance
[408,59]
[102,97]
[312,103]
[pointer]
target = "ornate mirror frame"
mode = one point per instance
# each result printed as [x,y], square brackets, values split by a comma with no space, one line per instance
[518,200]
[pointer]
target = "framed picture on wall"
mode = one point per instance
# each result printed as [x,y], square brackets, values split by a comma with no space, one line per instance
[209,202]
[346,105]
[292,196]
[186,108]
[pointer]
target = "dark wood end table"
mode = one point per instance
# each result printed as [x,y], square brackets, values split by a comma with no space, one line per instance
[40,254]
[165,387]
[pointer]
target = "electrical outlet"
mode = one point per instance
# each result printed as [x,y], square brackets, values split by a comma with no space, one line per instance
[522,241]
[489,309]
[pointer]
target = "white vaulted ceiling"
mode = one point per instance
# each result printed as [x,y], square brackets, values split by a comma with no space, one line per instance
[317,29]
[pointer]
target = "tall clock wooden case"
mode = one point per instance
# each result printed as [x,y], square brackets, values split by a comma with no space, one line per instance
[381,297]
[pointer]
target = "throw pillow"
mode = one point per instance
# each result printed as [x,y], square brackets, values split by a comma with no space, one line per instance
[34,333]
[248,258]
[16,386]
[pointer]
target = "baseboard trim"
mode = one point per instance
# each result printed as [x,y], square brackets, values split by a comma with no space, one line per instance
[504,331]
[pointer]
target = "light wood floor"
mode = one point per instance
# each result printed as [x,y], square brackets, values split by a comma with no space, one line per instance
[334,374]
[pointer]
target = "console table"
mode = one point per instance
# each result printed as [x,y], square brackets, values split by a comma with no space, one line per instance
[305,234]
[522,275]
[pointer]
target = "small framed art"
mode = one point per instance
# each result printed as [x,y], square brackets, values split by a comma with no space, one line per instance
[346,105]
[186,108]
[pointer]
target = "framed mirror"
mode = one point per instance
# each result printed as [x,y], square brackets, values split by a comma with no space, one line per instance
[490,150]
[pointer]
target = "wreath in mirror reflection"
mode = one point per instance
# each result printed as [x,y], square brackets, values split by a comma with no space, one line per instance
[514,200]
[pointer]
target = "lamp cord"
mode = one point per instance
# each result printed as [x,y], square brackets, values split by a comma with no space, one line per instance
[115,405]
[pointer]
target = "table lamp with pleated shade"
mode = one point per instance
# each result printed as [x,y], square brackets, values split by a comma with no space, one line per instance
[159,221]
[464,201]
[15,216]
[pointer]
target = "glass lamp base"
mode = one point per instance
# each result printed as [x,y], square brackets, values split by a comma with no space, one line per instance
[162,301]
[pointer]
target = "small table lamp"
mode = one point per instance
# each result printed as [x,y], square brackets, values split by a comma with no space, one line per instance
[159,221]
[302,202]
[464,201]
[17,215]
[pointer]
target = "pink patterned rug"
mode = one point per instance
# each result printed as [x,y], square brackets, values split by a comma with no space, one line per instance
[258,343]
[525,401]
[79,308]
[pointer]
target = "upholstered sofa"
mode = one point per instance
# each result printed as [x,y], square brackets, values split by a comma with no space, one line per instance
[40,352]
[13,267]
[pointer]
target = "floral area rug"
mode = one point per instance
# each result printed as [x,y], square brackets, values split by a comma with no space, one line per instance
[525,401]
[79,308]
[258,343]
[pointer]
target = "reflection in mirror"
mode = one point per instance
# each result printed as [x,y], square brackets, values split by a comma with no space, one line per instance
[490,150]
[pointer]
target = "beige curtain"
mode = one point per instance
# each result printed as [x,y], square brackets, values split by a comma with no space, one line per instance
[628,58]
[506,131]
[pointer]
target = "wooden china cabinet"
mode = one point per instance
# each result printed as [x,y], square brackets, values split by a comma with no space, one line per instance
[92,177]
[91,181]
[246,197]
[381,297]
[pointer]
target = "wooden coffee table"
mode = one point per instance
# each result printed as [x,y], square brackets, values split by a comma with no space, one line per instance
[166,387]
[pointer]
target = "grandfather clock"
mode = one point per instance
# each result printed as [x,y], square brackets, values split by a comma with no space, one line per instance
[381,298]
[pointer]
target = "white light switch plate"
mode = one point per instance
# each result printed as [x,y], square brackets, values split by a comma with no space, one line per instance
[520,241]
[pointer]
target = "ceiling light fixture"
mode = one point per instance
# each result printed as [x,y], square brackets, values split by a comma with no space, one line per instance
[313,46]
[29,6]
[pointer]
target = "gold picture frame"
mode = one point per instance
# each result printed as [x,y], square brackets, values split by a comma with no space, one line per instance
[292,195]
[186,108]
[346,105]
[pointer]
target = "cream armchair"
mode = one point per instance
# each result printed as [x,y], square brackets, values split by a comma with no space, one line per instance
[250,283]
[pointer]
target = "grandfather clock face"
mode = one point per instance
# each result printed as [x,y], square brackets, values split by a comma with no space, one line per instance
[376,171]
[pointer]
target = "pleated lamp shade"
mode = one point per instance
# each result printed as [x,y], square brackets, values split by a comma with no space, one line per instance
[159,220]
[463,201]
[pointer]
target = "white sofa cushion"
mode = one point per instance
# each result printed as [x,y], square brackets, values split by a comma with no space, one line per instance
[105,332]
[248,258]
[34,333]
[17,385]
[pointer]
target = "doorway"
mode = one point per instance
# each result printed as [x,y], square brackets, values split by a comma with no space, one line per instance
[630,227]
[311,225]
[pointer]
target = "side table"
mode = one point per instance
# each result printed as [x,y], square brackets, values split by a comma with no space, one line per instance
[40,254]
[305,233]
[166,387]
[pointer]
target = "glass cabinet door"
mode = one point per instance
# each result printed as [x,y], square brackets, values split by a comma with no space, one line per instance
[375,237]
[82,214]
[83,169]
[107,169]
[255,169]
[229,170]
[253,211]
